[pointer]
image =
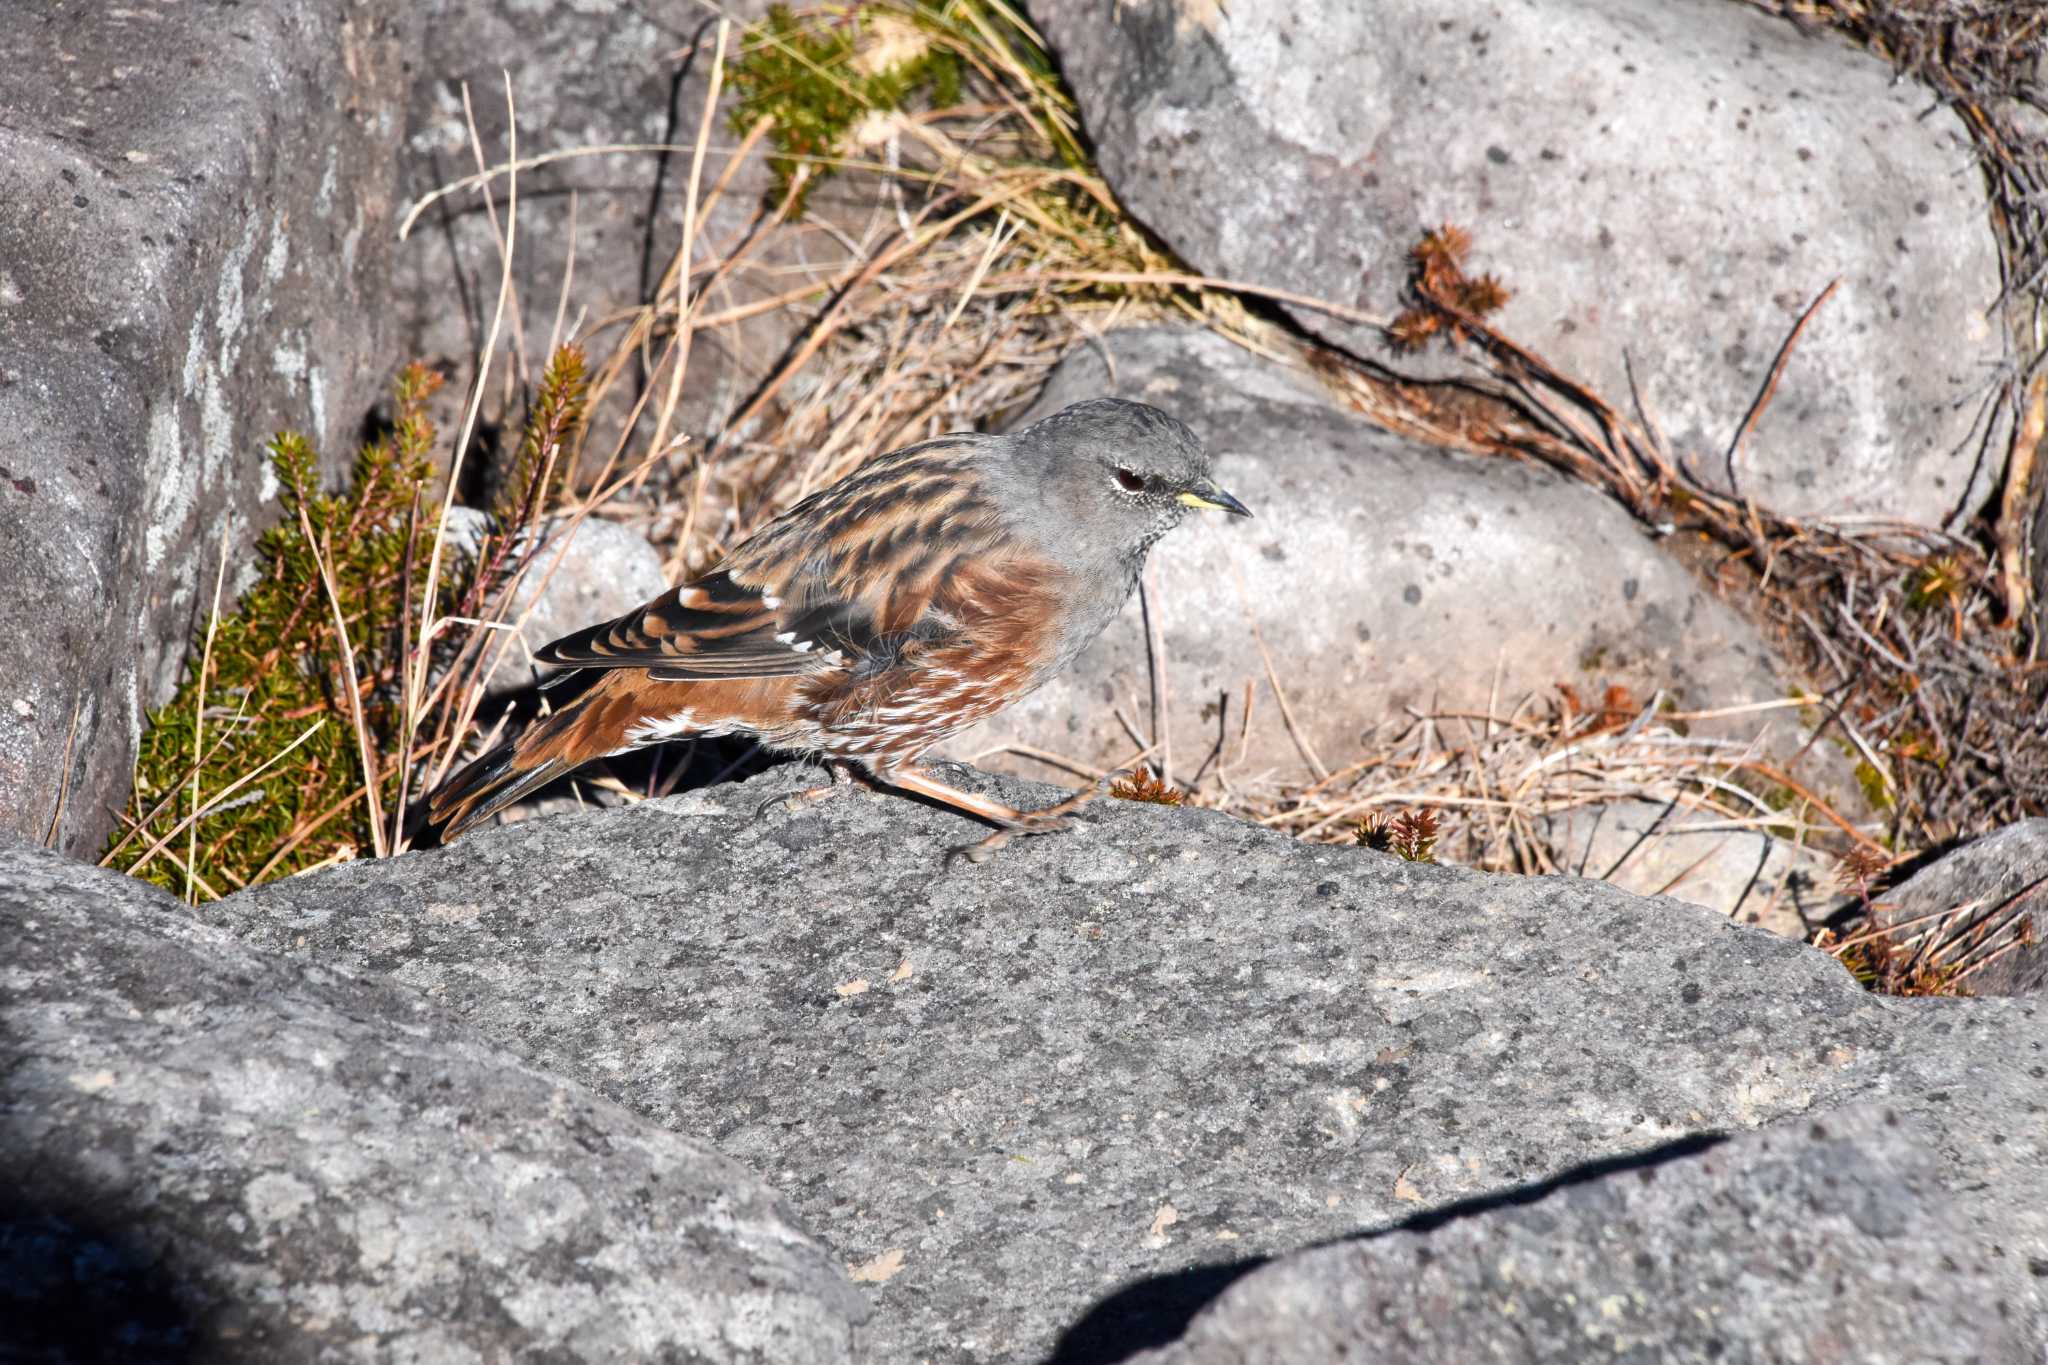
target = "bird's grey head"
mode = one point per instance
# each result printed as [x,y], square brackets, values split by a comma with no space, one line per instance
[1107,477]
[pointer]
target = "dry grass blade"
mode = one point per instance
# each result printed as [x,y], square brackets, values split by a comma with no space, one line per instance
[2016,506]
[685,302]
[220,576]
[1770,386]
[352,685]
[1152,607]
[222,797]
[64,775]
[481,179]
[422,652]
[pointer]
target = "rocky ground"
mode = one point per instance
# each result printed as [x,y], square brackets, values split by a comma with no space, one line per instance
[1100,1094]
[727,1076]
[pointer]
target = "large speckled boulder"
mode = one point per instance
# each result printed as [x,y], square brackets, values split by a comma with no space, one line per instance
[1669,183]
[211,1153]
[1064,1096]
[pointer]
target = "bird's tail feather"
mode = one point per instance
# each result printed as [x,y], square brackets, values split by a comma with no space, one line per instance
[507,774]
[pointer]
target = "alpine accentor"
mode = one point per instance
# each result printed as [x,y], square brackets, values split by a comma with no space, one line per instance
[924,592]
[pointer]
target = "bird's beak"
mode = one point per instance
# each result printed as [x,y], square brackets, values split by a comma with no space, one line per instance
[1205,494]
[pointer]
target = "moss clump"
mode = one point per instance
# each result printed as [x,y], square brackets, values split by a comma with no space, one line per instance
[816,77]
[1877,790]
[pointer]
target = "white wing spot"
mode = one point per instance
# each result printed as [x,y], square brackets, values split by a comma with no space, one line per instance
[655,729]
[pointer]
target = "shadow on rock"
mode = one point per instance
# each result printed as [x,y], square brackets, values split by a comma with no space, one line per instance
[1155,1311]
[76,1292]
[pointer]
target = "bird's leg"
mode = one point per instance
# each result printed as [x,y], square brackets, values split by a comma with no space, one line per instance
[842,781]
[1011,820]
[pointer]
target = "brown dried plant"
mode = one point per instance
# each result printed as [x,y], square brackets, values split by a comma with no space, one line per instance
[1145,785]
[1411,835]
[1443,294]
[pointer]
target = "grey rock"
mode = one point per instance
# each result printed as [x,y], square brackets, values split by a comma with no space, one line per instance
[579,575]
[2004,876]
[585,76]
[1380,574]
[1161,1041]
[1662,849]
[195,202]
[1808,1242]
[212,1153]
[1672,182]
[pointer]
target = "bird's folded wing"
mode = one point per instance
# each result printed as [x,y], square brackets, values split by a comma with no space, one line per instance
[718,627]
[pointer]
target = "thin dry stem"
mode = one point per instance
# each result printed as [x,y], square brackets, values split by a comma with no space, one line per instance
[220,576]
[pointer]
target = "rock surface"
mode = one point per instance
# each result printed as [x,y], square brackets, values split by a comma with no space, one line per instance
[1590,147]
[1380,574]
[2005,876]
[195,202]
[586,76]
[212,1153]
[1161,1042]
[1814,1242]
[581,575]
[1659,849]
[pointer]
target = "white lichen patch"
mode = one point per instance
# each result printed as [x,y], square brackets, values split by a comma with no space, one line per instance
[279,257]
[376,1234]
[274,1197]
[288,359]
[330,179]
[316,392]
[229,304]
[169,494]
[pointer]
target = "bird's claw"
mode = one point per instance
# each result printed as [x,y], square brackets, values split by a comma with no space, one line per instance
[842,781]
[1051,820]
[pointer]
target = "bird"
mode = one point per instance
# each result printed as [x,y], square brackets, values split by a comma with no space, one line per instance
[927,590]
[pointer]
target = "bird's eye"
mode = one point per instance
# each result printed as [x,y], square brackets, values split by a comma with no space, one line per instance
[1129,480]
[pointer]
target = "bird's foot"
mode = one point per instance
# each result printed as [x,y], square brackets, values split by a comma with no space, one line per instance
[842,782]
[1051,820]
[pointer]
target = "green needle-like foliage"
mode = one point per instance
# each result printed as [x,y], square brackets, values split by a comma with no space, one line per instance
[277,671]
[278,746]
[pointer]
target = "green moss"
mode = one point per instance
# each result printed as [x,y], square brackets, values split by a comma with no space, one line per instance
[1877,793]
[1939,581]
[801,74]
